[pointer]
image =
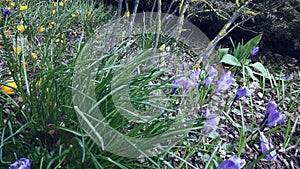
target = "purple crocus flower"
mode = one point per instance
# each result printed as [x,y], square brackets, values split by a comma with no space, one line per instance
[273,116]
[242,92]
[225,81]
[187,83]
[6,11]
[233,162]
[211,122]
[275,119]
[253,52]
[265,146]
[22,163]
[212,72]
[207,81]
[271,107]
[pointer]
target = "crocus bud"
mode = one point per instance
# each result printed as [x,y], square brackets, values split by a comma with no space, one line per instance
[265,146]
[211,122]
[242,92]
[233,162]
[212,72]
[207,81]
[22,163]
[273,116]
[271,107]
[253,52]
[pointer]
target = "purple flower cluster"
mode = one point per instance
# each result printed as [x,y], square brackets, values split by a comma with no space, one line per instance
[6,11]
[22,163]
[187,83]
[233,162]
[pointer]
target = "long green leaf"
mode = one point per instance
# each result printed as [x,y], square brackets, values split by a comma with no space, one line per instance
[230,60]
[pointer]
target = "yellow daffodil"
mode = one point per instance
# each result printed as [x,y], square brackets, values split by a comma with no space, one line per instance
[23,8]
[53,12]
[41,29]
[34,56]
[73,15]
[17,50]
[61,4]
[21,28]
[88,13]
[8,88]
[7,32]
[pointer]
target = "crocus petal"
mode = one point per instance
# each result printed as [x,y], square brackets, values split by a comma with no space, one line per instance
[207,81]
[232,163]
[194,75]
[275,119]
[253,52]
[271,108]
[212,72]
[211,122]
[22,163]
[225,81]
[265,146]
[242,92]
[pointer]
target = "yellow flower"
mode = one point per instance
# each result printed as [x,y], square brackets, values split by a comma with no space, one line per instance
[21,28]
[34,55]
[39,82]
[12,5]
[55,4]
[162,47]
[41,29]
[9,88]
[23,8]
[53,12]
[7,32]
[17,50]
[73,15]
[61,4]
[126,14]
[50,25]
[20,99]
[88,13]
